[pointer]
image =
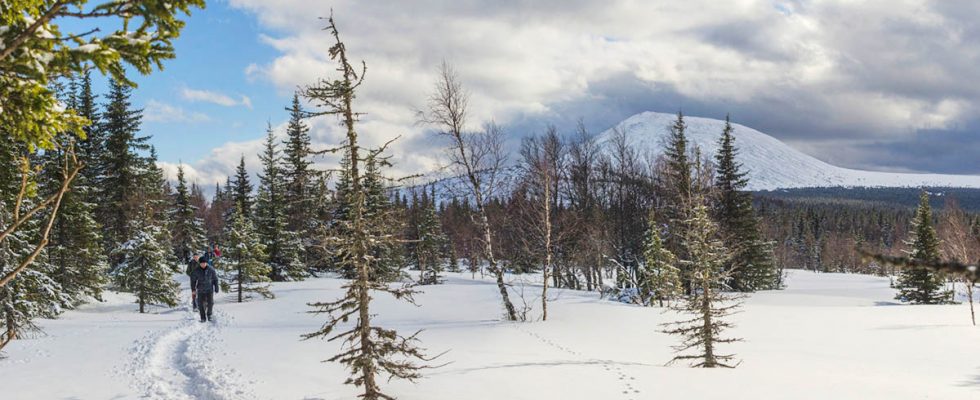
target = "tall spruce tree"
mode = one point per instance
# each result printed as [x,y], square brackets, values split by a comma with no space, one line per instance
[240,193]
[144,269]
[341,217]
[317,256]
[123,167]
[74,250]
[917,284]
[246,260]
[297,175]
[659,278]
[752,265]
[282,246]
[708,305]
[379,212]
[678,186]
[187,229]
[368,350]
[91,150]
[155,196]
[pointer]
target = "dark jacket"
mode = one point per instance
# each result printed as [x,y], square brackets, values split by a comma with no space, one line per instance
[204,280]
[191,266]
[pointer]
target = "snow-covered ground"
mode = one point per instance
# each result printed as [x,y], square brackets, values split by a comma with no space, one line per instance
[827,336]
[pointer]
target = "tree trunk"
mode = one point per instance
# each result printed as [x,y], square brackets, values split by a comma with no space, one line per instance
[969,293]
[142,292]
[499,272]
[240,282]
[11,333]
[707,334]
[547,249]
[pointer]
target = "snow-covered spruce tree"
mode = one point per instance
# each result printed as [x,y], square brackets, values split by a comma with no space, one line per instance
[296,172]
[453,259]
[707,305]
[186,230]
[31,293]
[368,350]
[340,218]
[156,198]
[678,187]
[752,264]
[123,167]
[659,277]
[282,246]
[245,261]
[144,266]
[430,241]
[381,214]
[475,156]
[378,213]
[917,284]
[298,189]
[30,58]
[75,248]
[317,256]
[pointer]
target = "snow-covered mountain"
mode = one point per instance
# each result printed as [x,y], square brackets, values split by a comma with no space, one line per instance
[770,163]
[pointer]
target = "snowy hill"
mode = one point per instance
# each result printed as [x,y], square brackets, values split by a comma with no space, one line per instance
[771,164]
[827,336]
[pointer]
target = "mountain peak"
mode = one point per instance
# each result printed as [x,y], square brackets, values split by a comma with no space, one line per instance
[770,163]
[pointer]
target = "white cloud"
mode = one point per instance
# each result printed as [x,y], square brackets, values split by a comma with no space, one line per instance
[805,71]
[157,111]
[215,98]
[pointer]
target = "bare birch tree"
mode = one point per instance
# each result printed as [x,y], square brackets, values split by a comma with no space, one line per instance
[541,159]
[475,156]
[959,244]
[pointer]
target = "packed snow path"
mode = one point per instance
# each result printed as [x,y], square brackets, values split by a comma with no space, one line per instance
[178,364]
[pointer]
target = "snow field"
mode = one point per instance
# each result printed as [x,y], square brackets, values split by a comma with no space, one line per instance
[827,336]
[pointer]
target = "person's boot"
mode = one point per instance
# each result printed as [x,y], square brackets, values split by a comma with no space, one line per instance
[210,319]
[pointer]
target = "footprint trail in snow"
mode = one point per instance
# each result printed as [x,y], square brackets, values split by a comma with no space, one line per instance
[610,366]
[178,364]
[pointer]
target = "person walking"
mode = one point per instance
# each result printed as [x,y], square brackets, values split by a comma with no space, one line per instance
[191,266]
[204,284]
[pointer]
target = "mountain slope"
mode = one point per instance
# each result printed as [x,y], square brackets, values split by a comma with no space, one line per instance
[771,164]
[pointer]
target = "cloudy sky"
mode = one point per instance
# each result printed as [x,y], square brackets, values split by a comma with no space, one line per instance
[882,85]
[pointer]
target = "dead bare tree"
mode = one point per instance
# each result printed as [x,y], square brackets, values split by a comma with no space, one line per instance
[368,349]
[476,156]
[541,165]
